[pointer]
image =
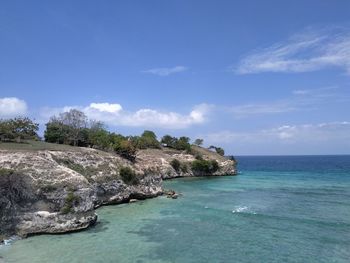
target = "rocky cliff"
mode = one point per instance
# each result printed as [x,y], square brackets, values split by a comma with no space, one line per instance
[56,191]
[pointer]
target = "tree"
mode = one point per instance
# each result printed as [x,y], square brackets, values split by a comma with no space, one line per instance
[168,140]
[148,139]
[56,132]
[149,134]
[123,146]
[68,128]
[98,136]
[183,143]
[76,120]
[18,128]
[220,151]
[198,142]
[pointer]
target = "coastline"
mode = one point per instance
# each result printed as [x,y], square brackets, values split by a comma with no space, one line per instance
[82,181]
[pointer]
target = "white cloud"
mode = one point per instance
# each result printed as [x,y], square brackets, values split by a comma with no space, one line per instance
[12,107]
[113,114]
[310,50]
[165,71]
[106,107]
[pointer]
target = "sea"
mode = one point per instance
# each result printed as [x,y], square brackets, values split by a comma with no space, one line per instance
[278,209]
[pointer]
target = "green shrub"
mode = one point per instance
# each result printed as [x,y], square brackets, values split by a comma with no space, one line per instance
[184,168]
[204,167]
[176,164]
[6,172]
[128,176]
[214,165]
[198,156]
[69,202]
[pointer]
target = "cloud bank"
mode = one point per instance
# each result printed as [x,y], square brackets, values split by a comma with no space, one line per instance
[114,114]
[12,107]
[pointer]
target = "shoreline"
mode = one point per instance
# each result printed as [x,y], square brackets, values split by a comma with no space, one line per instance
[7,241]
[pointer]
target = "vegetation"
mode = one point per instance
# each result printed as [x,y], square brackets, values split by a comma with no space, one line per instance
[182,143]
[98,136]
[69,203]
[176,164]
[68,128]
[6,172]
[204,167]
[184,167]
[73,128]
[18,129]
[128,176]
[148,139]
[219,150]
[29,145]
[198,142]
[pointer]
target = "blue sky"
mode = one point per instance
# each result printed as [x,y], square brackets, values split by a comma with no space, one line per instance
[256,77]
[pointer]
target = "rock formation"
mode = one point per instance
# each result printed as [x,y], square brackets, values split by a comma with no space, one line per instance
[58,191]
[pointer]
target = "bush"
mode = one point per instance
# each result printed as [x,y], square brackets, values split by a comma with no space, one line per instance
[176,164]
[205,167]
[123,146]
[128,176]
[6,172]
[69,202]
[198,156]
[220,151]
[214,166]
[184,167]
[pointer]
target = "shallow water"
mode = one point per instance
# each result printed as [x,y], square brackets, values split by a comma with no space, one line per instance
[279,209]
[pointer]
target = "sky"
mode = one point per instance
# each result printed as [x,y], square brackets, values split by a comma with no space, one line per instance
[254,77]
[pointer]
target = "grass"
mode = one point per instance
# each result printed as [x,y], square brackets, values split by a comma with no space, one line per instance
[36,146]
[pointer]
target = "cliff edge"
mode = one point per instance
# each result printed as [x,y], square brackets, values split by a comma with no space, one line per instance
[56,190]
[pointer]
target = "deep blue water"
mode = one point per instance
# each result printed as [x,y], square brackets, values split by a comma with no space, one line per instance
[278,209]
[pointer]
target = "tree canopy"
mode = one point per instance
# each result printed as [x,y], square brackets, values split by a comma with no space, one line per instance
[182,143]
[18,129]
[198,142]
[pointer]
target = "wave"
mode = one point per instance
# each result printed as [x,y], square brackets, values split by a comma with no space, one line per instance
[9,241]
[243,209]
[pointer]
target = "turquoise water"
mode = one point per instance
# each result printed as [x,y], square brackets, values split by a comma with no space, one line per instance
[279,209]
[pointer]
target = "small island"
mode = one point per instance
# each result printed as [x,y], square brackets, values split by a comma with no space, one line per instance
[55,185]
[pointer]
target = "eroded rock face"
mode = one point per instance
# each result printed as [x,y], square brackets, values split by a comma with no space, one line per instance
[57,191]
